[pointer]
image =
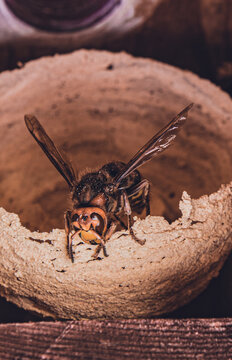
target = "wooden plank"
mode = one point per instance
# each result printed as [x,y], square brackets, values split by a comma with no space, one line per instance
[126,339]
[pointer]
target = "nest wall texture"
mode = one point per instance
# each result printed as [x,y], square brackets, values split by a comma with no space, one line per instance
[100,107]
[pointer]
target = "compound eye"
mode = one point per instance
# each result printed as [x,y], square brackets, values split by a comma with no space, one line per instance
[75,217]
[98,222]
[94,216]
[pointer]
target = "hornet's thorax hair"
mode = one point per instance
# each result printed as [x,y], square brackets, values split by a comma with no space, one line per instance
[100,199]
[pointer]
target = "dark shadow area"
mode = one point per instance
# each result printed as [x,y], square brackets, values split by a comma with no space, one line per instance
[178,33]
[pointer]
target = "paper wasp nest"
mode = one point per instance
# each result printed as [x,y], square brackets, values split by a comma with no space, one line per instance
[100,107]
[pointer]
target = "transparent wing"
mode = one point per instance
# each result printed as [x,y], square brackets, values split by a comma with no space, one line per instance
[158,143]
[47,145]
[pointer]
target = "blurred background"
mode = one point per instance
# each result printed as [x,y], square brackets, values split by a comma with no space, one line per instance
[193,35]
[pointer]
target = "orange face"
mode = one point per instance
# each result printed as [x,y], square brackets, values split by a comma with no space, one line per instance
[88,219]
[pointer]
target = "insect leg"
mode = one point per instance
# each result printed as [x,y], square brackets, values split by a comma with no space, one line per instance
[143,186]
[110,230]
[107,235]
[98,249]
[127,209]
[119,209]
[67,221]
[120,222]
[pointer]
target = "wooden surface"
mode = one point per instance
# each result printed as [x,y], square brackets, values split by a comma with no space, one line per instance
[131,339]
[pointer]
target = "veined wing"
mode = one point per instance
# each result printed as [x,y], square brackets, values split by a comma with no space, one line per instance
[47,145]
[158,143]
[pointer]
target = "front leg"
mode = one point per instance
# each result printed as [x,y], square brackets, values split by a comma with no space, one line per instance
[127,209]
[67,222]
[98,249]
[109,232]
